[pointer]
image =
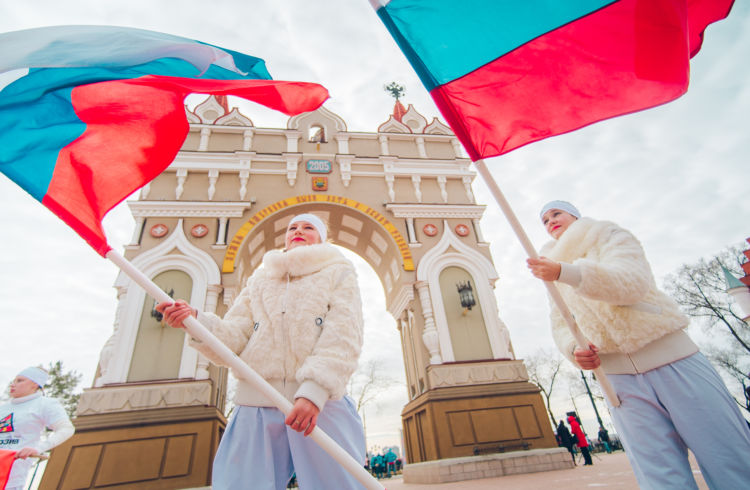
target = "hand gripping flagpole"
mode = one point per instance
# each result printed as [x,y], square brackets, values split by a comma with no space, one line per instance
[609,390]
[199,332]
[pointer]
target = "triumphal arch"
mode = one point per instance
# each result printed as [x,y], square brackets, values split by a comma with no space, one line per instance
[401,198]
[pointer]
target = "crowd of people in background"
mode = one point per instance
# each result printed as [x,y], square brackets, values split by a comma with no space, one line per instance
[383,464]
[575,440]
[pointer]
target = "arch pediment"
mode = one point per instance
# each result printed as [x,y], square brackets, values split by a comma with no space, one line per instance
[392,125]
[319,117]
[234,118]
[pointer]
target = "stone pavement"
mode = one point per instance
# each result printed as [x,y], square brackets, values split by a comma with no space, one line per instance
[609,471]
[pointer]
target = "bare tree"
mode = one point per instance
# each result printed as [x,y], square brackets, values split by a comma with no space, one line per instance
[543,367]
[700,289]
[368,381]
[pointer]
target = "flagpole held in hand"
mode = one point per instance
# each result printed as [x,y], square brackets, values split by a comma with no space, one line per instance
[607,388]
[199,332]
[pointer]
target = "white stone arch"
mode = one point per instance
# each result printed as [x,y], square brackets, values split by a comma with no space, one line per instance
[205,290]
[484,274]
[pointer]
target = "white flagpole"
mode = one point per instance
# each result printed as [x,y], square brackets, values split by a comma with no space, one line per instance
[582,342]
[198,331]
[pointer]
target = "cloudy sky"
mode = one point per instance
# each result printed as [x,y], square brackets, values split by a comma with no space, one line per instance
[676,175]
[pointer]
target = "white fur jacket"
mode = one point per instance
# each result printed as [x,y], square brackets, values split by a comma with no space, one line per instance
[297,323]
[616,303]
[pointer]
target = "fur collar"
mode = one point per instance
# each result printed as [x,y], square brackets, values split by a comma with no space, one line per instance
[302,260]
[578,239]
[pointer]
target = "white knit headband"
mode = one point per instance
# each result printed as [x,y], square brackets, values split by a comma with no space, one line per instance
[38,376]
[313,220]
[562,206]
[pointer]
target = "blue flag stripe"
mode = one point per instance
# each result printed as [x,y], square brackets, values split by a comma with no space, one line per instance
[446,39]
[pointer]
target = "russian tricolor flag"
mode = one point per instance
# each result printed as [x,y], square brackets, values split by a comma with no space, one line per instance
[506,73]
[88,114]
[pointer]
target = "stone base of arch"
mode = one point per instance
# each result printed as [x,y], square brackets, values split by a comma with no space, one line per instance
[150,448]
[463,421]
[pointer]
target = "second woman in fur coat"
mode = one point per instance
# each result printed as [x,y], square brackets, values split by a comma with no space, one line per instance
[671,397]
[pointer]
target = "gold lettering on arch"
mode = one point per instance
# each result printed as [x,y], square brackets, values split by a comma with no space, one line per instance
[233,247]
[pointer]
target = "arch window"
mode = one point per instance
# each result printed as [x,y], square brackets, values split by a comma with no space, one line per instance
[468,332]
[316,134]
[157,353]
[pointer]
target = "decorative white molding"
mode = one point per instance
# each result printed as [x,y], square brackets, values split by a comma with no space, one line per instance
[292,162]
[191,118]
[414,120]
[139,221]
[467,187]
[244,177]
[410,231]
[457,148]
[393,125]
[383,140]
[401,301]
[484,275]
[462,211]
[292,140]
[416,181]
[343,141]
[209,110]
[430,334]
[181,177]
[187,209]
[213,176]
[114,399]
[442,181]
[345,168]
[421,151]
[476,373]
[205,135]
[229,294]
[478,231]
[195,262]
[437,127]
[247,139]
[234,118]
[320,116]
[389,181]
[222,231]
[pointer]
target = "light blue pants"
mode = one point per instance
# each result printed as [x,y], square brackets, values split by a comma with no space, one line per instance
[682,405]
[259,451]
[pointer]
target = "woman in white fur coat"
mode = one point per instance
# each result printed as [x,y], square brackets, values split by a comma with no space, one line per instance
[297,323]
[671,397]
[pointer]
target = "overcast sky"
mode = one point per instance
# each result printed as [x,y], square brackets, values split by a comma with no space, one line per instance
[677,175]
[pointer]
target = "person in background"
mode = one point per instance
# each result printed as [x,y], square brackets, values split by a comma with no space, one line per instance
[671,397]
[390,461]
[378,463]
[24,419]
[604,439]
[581,441]
[565,439]
[298,324]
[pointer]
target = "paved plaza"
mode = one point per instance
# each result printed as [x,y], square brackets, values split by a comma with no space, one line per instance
[609,471]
